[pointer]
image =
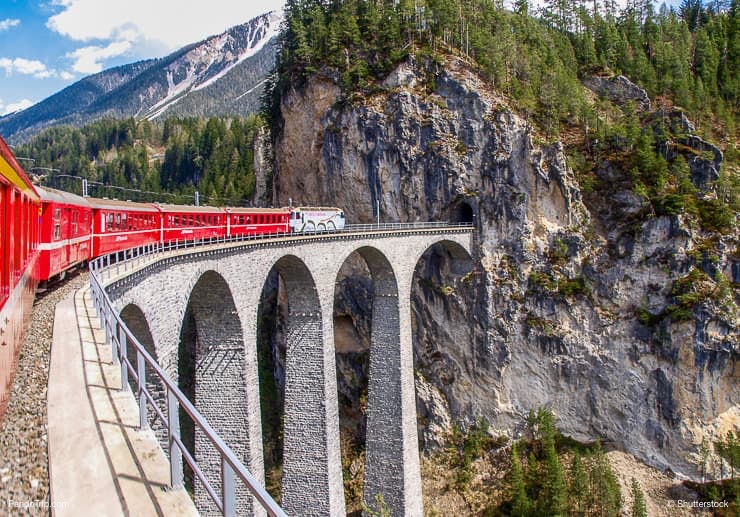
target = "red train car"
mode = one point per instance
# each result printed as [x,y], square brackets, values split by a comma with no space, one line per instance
[19,240]
[119,225]
[254,221]
[66,239]
[191,223]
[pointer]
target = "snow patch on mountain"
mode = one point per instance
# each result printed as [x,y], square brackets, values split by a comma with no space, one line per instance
[213,58]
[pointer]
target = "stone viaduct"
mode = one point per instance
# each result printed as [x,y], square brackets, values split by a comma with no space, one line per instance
[197,314]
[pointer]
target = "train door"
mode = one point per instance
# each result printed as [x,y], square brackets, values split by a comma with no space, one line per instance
[16,246]
[74,246]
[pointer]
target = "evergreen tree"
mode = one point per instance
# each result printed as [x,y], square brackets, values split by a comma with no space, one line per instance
[521,505]
[579,487]
[639,508]
[553,498]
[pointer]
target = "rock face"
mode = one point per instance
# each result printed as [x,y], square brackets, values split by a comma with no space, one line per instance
[549,316]
[704,159]
[619,90]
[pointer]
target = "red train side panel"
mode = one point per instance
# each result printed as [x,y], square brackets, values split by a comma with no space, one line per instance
[66,241]
[192,223]
[119,225]
[258,221]
[19,234]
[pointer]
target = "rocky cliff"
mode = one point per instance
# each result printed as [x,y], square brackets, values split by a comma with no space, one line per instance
[570,305]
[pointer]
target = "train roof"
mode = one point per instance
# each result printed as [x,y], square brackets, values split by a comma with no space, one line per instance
[57,196]
[253,210]
[190,209]
[300,208]
[115,204]
[12,172]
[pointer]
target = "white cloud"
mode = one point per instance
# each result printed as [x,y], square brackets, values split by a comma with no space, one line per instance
[171,23]
[8,23]
[27,67]
[88,59]
[66,75]
[14,106]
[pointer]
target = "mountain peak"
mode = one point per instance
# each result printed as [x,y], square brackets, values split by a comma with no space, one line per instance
[220,75]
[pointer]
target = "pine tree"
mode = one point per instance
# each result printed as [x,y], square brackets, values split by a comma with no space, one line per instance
[553,497]
[521,505]
[639,508]
[579,488]
[606,496]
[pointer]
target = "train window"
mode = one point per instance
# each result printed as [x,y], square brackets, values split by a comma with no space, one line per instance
[75,219]
[109,221]
[57,224]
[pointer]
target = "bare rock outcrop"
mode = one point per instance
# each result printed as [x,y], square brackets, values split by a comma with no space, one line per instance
[558,311]
[618,90]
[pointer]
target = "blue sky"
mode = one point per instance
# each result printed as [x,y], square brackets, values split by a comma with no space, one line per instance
[49,44]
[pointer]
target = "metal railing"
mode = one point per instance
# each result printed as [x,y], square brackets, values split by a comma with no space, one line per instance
[122,261]
[121,338]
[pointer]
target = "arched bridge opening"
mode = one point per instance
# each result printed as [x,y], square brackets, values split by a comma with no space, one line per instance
[211,369]
[444,298]
[366,341]
[291,305]
[135,320]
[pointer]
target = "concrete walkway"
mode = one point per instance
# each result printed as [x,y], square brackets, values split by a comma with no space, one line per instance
[99,462]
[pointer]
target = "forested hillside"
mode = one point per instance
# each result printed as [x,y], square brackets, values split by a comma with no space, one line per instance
[689,57]
[177,157]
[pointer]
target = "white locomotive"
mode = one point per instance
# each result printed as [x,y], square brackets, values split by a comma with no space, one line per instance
[316,219]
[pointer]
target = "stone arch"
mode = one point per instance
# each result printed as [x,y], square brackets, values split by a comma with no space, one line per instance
[459,259]
[444,294]
[135,320]
[310,429]
[210,367]
[386,468]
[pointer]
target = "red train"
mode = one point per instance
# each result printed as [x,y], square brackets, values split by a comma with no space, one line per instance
[19,241]
[45,233]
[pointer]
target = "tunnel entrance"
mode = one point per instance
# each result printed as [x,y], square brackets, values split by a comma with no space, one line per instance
[462,213]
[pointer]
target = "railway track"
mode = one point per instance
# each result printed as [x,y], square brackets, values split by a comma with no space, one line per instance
[24,466]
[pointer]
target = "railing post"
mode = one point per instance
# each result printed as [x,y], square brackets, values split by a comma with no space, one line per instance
[141,374]
[122,345]
[173,431]
[113,342]
[229,493]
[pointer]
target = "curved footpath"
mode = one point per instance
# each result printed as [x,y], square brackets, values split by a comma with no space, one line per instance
[99,462]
